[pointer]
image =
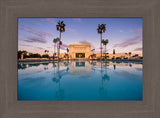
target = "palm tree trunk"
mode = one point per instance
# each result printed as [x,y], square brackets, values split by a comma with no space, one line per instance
[101,45]
[57,49]
[59,44]
[54,49]
[105,51]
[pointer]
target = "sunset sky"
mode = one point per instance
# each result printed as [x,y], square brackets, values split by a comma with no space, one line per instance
[124,34]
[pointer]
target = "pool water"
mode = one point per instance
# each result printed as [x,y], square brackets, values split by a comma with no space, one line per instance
[80,80]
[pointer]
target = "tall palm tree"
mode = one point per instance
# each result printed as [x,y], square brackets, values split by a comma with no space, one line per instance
[101,29]
[61,28]
[105,42]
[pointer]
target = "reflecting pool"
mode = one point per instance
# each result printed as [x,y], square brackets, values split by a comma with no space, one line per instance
[80,80]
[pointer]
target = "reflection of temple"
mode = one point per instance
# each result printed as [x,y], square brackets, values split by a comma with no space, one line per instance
[80,68]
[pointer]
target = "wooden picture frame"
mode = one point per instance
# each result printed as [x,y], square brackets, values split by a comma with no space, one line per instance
[11,10]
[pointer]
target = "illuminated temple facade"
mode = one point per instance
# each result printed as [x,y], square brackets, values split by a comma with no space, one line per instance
[79,51]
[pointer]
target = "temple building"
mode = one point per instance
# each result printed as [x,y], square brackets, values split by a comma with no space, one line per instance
[79,51]
[83,51]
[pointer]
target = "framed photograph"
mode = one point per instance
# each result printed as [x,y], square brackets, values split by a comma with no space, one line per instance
[79,59]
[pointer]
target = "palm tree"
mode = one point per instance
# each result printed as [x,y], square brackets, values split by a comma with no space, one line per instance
[61,28]
[92,55]
[67,53]
[92,50]
[24,53]
[101,29]
[46,51]
[67,50]
[105,42]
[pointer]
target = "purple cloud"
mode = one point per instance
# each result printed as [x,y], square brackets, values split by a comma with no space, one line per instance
[71,30]
[36,32]
[33,39]
[50,47]
[138,49]
[42,33]
[40,48]
[129,42]
[64,46]
[87,42]
[84,42]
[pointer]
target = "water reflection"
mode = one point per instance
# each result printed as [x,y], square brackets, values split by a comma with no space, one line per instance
[45,64]
[79,68]
[130,65]
[139,69]
[104,77]
[45,68]
[22,66]
[114,66]
[26,65]
[80,64]
[74,64]
[82,69]
[93,76]
[66,63]
[34,64]
[57,79]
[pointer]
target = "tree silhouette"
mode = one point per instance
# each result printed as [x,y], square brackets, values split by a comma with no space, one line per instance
[101,29]
[61,28]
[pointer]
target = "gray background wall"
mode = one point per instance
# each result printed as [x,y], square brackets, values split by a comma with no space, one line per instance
[10,10]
